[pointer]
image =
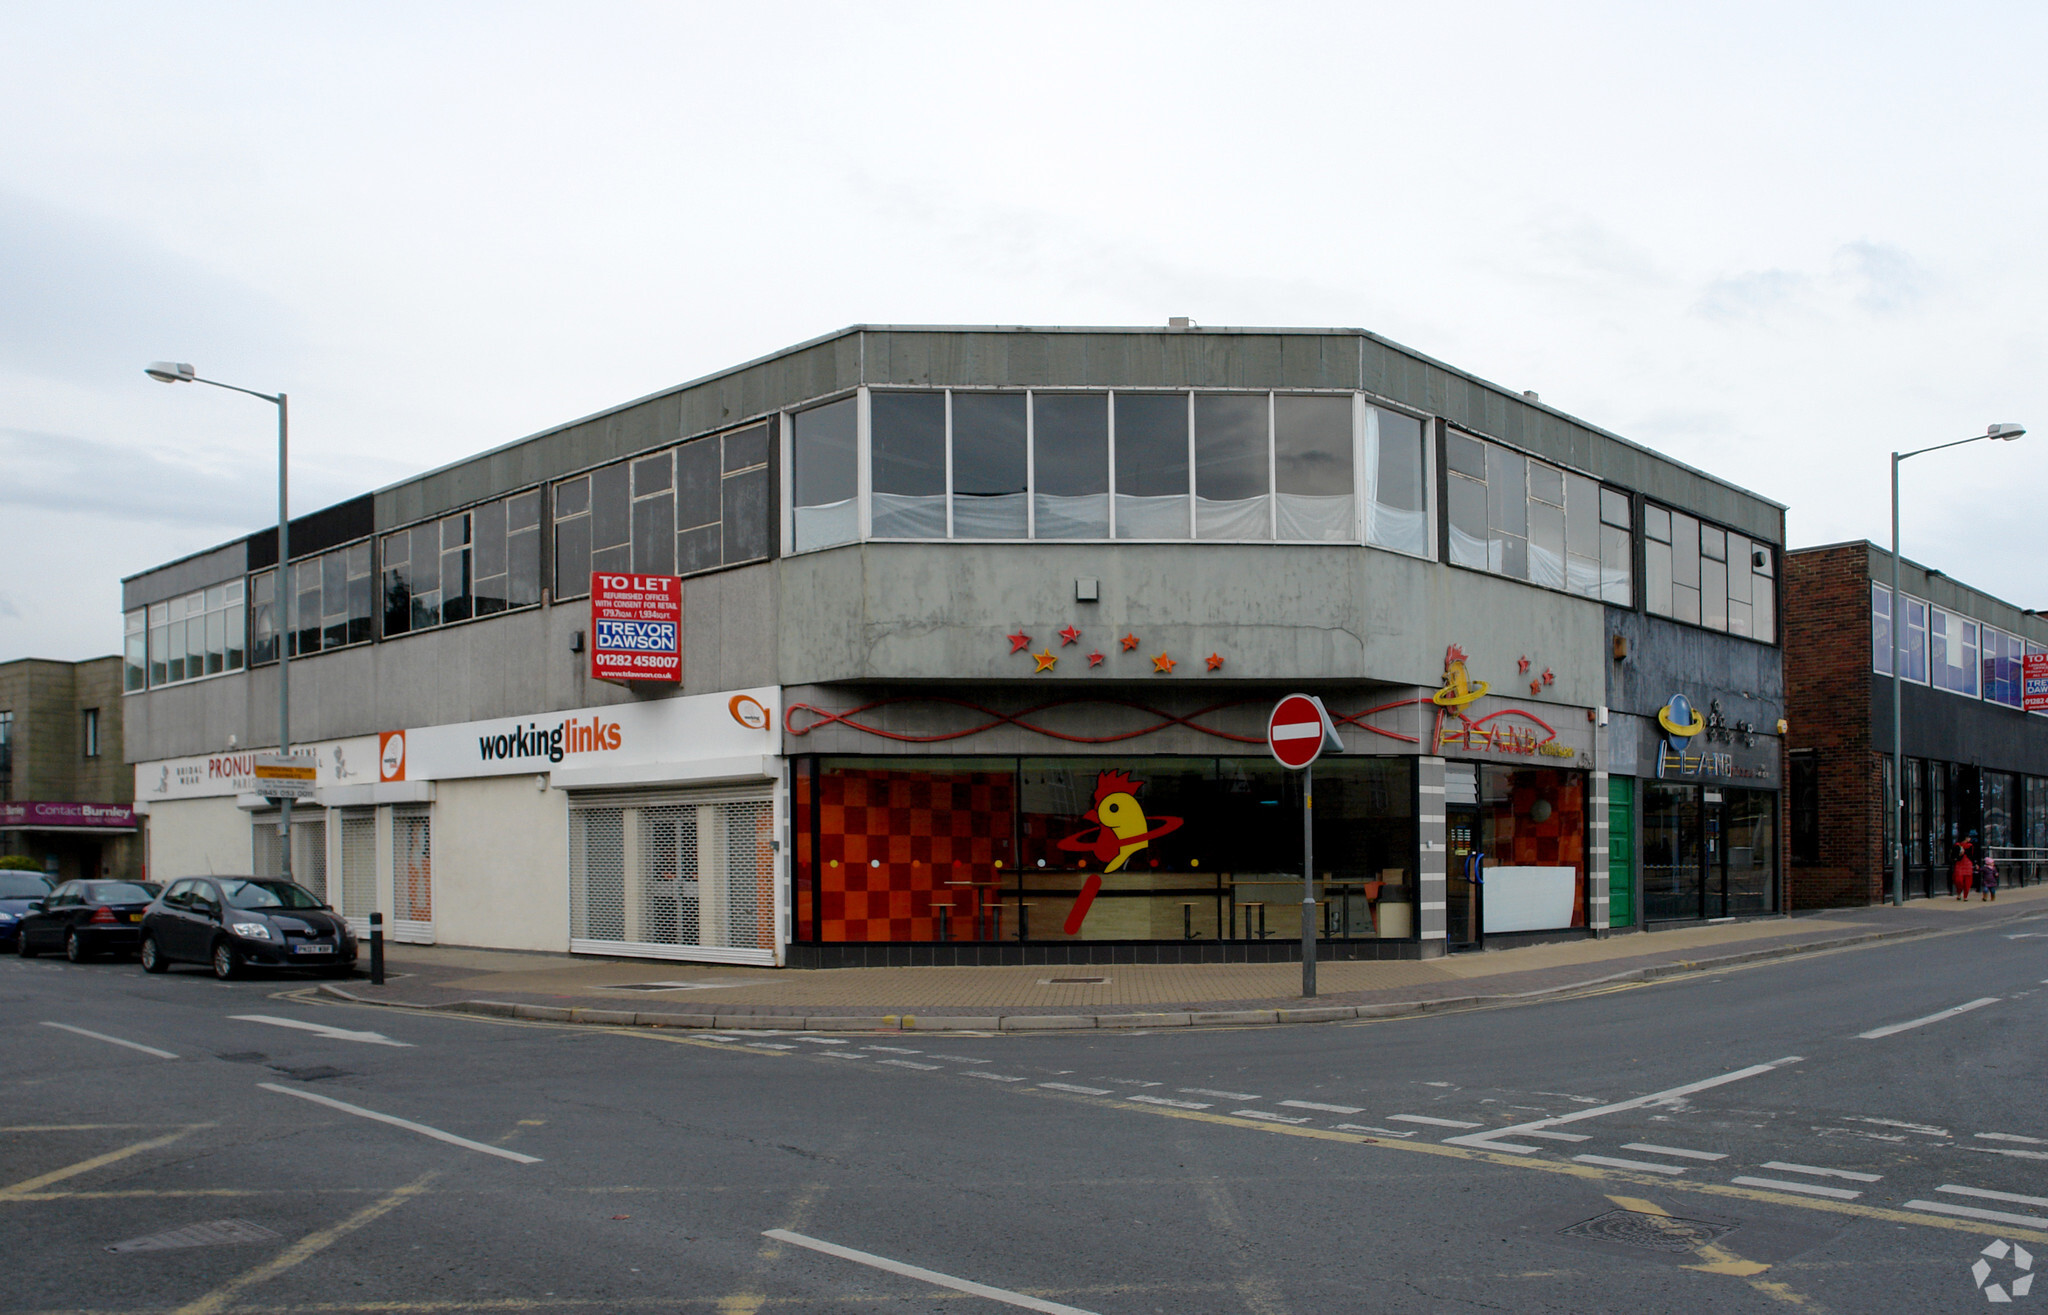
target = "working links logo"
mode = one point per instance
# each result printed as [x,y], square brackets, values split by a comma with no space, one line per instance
[2003,1270]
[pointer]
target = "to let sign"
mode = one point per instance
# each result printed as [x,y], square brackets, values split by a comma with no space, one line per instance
[2034,682]
[636,627]
[1297,729]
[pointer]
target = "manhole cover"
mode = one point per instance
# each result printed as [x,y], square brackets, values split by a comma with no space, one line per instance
[1651,1232]
[218,1232]
[1073,981]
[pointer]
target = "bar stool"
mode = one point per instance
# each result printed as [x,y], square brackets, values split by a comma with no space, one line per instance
[1187,920]
[945,918]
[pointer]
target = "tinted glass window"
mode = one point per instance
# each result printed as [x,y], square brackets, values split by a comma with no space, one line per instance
[121,892]
[988,466]
[1231,467]
[1151,465]
[1070,445]
[269,895]
[17,885]
[823,475]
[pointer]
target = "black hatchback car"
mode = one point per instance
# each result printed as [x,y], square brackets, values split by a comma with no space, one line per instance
[233,923]
[85,918]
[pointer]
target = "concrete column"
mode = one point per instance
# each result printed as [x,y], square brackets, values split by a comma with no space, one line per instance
[1596,854]
[1430,884]
[633,875]
[712,918]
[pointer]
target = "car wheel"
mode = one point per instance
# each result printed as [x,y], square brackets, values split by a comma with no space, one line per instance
[21,945]
[75,947]
[227,965]
[153,960]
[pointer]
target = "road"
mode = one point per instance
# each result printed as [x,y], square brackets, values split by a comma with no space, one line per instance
[1769,1139]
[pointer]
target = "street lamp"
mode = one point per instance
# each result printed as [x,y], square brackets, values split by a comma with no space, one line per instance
[1999,433]
[180,372]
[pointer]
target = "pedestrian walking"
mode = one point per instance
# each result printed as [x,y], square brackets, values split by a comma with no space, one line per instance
[1987,877]
[1963,871]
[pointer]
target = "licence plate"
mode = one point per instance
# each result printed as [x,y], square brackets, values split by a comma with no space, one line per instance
[135,917]
[312,949]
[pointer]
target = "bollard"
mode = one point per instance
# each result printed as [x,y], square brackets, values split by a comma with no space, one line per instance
[376,949]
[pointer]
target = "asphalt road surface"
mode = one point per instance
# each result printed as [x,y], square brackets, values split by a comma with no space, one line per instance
[1865,1130]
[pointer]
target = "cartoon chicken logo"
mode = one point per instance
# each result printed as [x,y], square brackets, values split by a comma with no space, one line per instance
[1121,829]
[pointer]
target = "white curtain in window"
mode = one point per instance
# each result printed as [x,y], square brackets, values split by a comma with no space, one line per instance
[1318,517]
[1072,516]
[1232,518]
[1400,528]
[827,524]
[1545,567]
[909,515]
[1157,516]
[992,516]
[1469,549]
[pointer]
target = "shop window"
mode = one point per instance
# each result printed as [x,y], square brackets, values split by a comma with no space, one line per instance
[683,876]
[1151,465]
[198,634]
[1533,834]
[1708,576]
[1528,520]
[1997,799]
[309,847]
[1070,465]
[475,563]
[823,475]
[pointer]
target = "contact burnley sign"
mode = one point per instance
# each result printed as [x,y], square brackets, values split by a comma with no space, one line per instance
[34,815]
[636,627]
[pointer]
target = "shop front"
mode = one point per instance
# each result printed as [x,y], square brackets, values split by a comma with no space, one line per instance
[1708,826]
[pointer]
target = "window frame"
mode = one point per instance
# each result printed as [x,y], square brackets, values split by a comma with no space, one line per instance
[1441,520]
[380,565]
[1700,526]
[157,623]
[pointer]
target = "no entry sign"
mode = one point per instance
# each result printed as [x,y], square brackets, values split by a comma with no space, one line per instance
[1297,729]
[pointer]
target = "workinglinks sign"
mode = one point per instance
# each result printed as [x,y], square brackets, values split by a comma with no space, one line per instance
[727,725]
[636,627]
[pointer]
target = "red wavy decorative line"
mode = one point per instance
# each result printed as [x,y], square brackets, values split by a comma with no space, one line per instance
[1020,720]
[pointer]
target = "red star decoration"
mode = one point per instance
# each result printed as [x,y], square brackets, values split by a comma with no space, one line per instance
[1045,660]
[1068,635]
[1164,665]
[1548,679]
[1522,665]
[1535,687]
[1019,642]
[1129,642]
[1215,661]
[1095,659]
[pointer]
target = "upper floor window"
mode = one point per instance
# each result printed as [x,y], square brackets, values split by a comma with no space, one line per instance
[692,508]
[1516,516]
[474,563]
[1697,572]
[2001,658]
[6,742]
[135,650]
[89,723]
[1242,467]
[1912,638]
[1953,640]
[198,634]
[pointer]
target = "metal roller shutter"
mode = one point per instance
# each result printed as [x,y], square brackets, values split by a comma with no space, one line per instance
[673,875]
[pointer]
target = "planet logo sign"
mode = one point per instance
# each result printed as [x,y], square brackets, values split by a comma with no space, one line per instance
[1681,721]
[636,624]
[1121,829]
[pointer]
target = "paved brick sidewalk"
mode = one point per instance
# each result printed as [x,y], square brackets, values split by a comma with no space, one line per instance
[550,985]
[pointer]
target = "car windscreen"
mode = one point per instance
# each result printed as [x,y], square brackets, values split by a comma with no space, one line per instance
[15,885]
[120,892]
[269,895]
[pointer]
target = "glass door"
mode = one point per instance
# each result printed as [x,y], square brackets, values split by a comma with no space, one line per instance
[1714,853]
[1464,868]
[1673,877]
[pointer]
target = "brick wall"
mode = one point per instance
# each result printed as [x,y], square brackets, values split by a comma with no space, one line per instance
[1827,695]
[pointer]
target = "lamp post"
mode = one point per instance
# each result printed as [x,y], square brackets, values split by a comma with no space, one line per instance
[180,372]
[1999,433]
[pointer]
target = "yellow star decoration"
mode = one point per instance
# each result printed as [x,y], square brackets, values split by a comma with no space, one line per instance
[1046,661]
[1163,665]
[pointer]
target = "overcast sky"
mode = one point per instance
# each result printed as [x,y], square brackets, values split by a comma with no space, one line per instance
[1774,241]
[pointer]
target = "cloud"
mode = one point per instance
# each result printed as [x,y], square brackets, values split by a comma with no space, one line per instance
[1887,279]
[1751,296]
[63,472]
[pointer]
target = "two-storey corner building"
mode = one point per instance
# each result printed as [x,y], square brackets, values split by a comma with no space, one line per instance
[981,627]
[1975,759]
[64,788]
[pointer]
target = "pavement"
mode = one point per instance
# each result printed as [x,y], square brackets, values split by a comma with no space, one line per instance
[580,988]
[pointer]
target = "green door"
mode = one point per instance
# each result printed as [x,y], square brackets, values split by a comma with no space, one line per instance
[1621,851]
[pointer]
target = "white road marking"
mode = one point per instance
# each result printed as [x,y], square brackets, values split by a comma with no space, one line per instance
[992,1077]
[2009,1136]
[1926,1129]
[1555,1136]
[1483,1140]
[822,1040]
[1221,1095]
[1270,1118]
[1877,1033]
[1367,1127]
[396,1122]
[1432,1121]
[1852,1176]
[113,1040]
[1176,1104]
[2003,1150]
[322,1029]
[968,1059]
[1327,1109]
[1083,1091]
[1680,1151]
[907,1063]
[1614,1163]
[923,1275]
[1971,1212]
[893,1050]
[1954,1190]
[1805,1189]
[843,1054]
[768,1045]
